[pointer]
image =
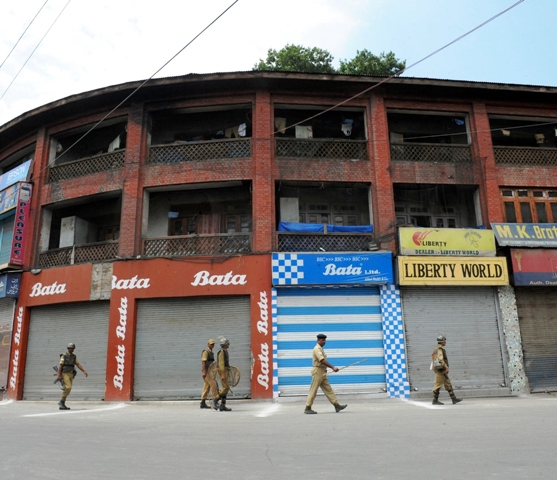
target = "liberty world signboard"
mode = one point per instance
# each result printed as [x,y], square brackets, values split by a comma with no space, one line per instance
[332,268]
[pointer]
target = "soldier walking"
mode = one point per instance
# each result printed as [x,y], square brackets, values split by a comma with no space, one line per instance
[223,366]
[207,358]
[67,373]
[442,375]
[319,377]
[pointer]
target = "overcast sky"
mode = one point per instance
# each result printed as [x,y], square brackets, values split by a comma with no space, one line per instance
[107,42]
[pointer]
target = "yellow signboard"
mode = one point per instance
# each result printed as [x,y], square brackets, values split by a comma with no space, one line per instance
[452,271]
[465,242]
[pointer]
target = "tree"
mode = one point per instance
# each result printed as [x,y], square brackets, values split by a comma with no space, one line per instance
[296,58]
[366,63]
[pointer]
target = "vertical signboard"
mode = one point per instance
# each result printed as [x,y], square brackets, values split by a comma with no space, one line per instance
[21,224]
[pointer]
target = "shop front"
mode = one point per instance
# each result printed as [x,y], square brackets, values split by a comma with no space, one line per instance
[140,327]
[449,280]
[9,291]
[350,298]
[533,255]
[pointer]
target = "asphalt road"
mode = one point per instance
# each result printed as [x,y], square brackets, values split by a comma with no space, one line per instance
[501,438]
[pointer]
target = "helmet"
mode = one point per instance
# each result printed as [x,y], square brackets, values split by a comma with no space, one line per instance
[71,345]
[441,338]
[224,341]
[211,342]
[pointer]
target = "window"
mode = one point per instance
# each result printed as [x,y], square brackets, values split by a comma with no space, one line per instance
[529,206]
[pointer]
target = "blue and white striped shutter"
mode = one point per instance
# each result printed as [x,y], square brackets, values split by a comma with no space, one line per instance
[351,319]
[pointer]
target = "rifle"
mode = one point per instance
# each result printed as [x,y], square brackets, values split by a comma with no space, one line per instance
[61,385]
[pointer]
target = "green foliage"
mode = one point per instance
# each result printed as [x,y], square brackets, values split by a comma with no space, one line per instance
[366,63]
[296,58]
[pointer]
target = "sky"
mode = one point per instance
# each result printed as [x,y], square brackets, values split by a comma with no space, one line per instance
[90,45]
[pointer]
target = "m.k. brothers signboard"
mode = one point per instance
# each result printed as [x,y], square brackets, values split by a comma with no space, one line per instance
[456,242]
[526,234]
[452,271]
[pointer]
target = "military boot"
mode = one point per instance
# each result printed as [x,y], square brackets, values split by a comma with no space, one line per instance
[223,407]
[216,403]
[309,411]
[203,404]
[62,405]
[338,407]
[436,398]
[454,399]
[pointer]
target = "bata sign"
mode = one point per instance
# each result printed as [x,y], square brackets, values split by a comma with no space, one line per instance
[205,278]
[452,271]
[17,341]
[263,328]
[118,380]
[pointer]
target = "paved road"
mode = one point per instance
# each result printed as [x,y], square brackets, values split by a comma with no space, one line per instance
[501,438]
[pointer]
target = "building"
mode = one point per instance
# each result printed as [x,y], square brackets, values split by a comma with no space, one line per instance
[268,207]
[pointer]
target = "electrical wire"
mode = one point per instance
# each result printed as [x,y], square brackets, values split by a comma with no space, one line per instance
[35,49]
[24,31]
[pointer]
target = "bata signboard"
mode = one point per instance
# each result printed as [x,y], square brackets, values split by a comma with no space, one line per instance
[452,271]
[465,242]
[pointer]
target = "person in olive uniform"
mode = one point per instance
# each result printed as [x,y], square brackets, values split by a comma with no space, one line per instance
[442,376]
[319,377]
[207,358]
[67,372]
[223,365]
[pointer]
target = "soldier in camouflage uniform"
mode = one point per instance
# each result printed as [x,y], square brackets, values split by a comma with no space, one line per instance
[442,376]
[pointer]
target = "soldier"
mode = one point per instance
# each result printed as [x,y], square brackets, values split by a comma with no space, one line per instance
[207,358]
[223,365]
[319,377]
[67,372]
[442,375]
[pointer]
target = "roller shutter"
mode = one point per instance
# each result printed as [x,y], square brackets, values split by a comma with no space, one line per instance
[171,334]
[538,327]
[468,317]
[350,317]
[51,328]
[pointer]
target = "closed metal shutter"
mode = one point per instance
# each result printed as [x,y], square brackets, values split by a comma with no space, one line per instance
[6,323]
[172,333]
[468,317]
[538,327]
[350,317]
[51,328]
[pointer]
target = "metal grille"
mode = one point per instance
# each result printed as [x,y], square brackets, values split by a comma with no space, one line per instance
[197,245]
[428,152]
[93,252]
[87,166]
[331,242]
[210,150]
[318,148]
[525,156]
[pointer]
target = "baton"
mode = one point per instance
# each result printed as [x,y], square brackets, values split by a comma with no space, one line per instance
[355,363]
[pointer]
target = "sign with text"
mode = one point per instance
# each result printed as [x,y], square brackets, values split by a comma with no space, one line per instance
[332,268]
[452,271]
[526,234]
[534,268]
[456,242]
[21,223]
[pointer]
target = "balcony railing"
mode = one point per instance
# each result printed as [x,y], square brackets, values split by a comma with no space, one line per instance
[206,244]
[321,148]
[89,253]
[329,242]
[208,150]
[431,152]
[87,166]
[525,156]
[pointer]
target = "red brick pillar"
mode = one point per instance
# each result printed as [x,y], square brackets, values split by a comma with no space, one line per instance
[132,193]
[263,205]
[485,169]
[40,173]
[384,217]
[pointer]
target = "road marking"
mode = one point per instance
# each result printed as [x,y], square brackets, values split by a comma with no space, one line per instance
[66,412]
[270,410]
[423,404]
[6,402]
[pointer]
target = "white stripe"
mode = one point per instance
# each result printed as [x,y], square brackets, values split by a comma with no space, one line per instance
[423,404]
[68,412]
[354,335]
[312,301]
[268,411]
[319,319]
[339,389]
[6,402]
[355,370]
[357,353]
